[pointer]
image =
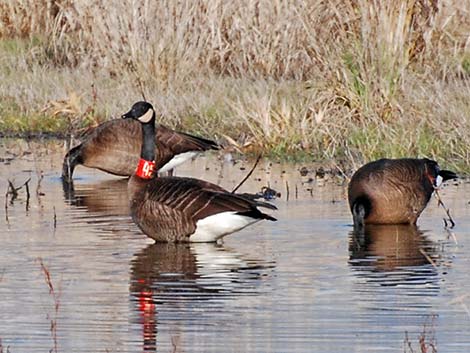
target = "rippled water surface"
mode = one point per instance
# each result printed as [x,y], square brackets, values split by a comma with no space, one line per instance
[76,275]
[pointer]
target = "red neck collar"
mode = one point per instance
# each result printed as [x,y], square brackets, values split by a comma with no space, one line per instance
[145,169]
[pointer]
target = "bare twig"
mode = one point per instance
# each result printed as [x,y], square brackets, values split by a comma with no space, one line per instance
[248,175]
[431,261]
[47,276]
[56,297]
[12,191]
[174,344]
[287,190]
[38,186]
[55,218]
[451,234]
[28,195]
[407,343]
[6,205]
[440,203]
[24,184]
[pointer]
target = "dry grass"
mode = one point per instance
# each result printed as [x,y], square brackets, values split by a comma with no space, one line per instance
[345,80]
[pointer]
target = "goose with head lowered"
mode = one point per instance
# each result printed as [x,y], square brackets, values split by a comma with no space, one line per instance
[176,209]
[393,191]
[114,147]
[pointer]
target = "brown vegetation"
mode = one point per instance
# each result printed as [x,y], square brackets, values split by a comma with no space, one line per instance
[345,80]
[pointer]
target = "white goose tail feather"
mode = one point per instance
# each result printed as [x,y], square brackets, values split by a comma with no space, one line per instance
[214,227]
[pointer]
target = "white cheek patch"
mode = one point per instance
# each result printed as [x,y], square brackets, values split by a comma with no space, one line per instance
[147,116]
[438,181]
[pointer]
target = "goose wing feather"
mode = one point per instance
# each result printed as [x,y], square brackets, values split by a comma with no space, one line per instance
[182,142]
[162,222]
[196,199]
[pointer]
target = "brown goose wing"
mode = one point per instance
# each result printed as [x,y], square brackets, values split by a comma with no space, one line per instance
[385,177]
[402,178]
[216,188]
[113,146]
[162,222]
[226,202]
[170,207]
[170,143]
[201,199]
[163,210]
[181,142]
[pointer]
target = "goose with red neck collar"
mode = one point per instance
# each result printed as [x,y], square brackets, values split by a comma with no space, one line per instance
[114,147]
[172,209]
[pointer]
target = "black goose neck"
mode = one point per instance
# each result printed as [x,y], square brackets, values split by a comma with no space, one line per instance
[148,140]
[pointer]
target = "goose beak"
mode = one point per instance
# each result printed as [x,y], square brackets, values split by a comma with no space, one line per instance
[128,115]
[447,175]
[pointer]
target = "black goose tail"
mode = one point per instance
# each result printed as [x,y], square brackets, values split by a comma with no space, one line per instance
[257,203]
[264,204]
[257,214]
[205,144]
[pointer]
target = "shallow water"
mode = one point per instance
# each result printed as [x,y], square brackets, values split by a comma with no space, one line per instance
[302,284]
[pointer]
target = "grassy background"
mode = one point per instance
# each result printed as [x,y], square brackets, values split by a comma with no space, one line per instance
[348,81]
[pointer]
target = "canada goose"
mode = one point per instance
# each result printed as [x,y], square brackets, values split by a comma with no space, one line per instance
[114,147]
[172,209]
[393,191]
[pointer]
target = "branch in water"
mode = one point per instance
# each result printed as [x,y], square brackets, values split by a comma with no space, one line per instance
[248,175]
[447,211]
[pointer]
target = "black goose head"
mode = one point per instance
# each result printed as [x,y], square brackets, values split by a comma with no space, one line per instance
[435,174]
[142,112]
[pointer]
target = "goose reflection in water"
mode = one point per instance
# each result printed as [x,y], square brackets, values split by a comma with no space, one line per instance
[176,285]
[105,198]
[394,255]
[103,204]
